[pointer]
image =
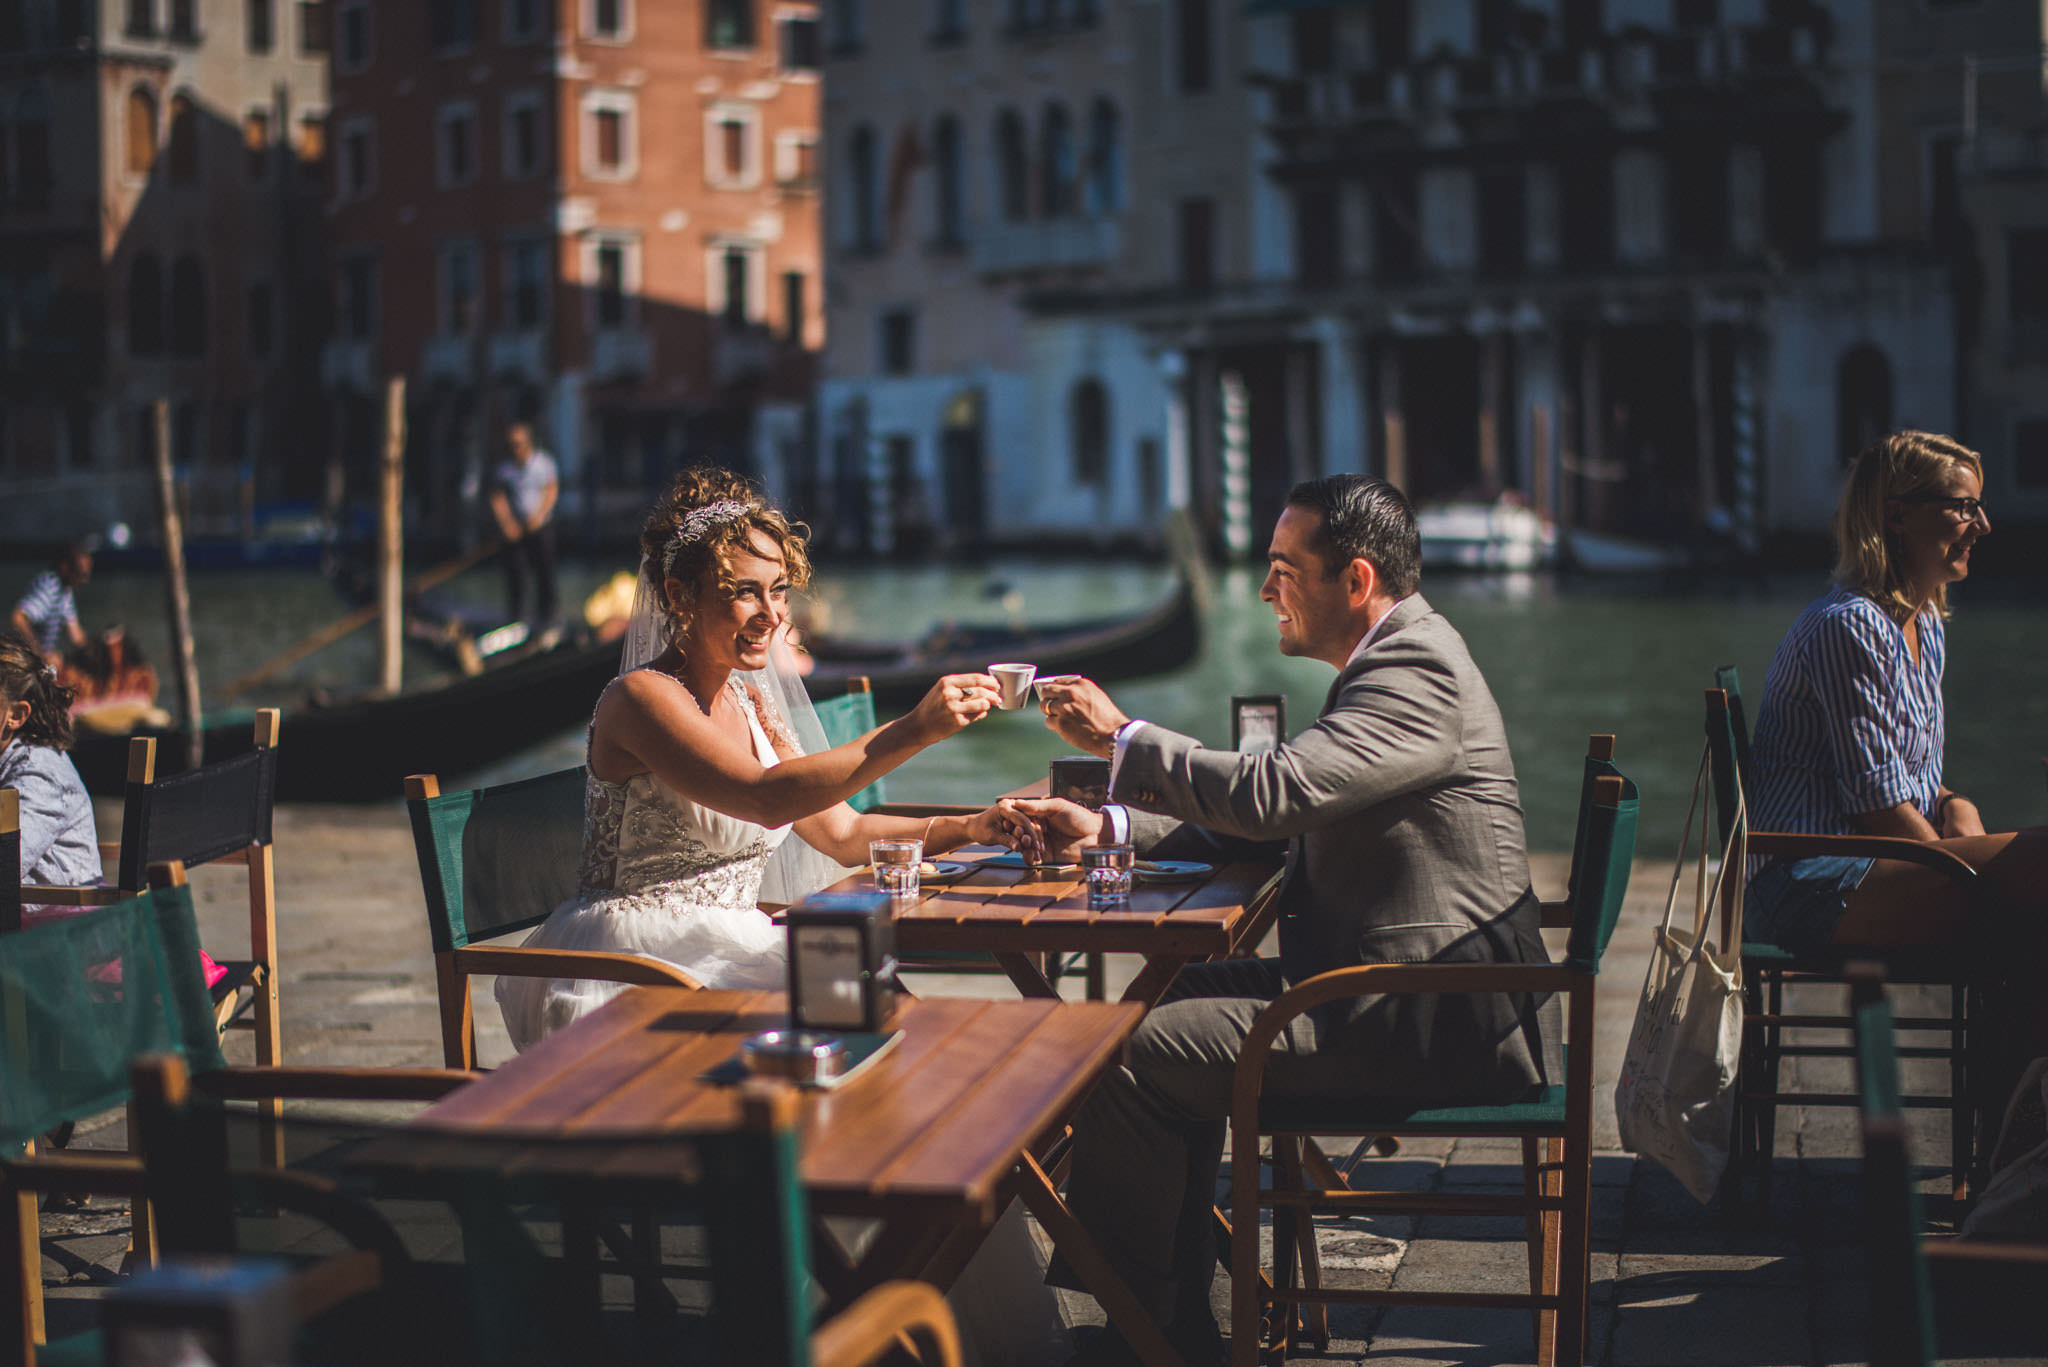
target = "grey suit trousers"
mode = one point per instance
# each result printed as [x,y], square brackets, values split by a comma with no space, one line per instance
[1149,1140]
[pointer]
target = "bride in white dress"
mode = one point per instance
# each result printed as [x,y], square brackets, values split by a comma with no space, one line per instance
[699,787]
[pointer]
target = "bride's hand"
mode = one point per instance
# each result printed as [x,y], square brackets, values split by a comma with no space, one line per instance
[953,704]
[1007,824]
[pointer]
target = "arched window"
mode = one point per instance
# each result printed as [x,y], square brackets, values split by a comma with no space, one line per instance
[1863,400]
[866,198]
[32,168]
[188,307]
[141,130]
[145,306]
[1105,160]
[949,199]
[1013,168]
[184,141]
[1088,430]
[1056,162]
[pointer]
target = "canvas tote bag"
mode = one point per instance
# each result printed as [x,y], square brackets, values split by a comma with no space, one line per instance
[1676,1098]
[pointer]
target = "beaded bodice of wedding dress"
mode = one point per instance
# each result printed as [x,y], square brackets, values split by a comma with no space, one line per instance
[661,875]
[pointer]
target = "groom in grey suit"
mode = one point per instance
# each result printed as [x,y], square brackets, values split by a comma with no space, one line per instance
[1398,818]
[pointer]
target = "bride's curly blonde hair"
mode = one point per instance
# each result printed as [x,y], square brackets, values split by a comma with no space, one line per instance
[708,515]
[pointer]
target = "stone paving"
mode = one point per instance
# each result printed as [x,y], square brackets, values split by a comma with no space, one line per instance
[1673,1283]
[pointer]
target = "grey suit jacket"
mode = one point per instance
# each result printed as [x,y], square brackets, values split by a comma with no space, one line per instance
[1404,843]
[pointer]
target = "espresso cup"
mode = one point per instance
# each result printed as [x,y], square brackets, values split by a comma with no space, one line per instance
[1013,684]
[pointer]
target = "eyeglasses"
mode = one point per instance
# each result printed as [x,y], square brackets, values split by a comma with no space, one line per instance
[1966,509]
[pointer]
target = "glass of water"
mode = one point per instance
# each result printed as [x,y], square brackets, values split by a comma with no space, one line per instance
[1107,869]
[895,864]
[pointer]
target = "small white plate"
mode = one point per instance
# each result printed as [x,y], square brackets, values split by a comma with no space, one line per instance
[945,871]
[1171,870]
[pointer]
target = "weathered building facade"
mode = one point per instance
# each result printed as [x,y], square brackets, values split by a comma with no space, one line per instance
[596,216]
[160,182]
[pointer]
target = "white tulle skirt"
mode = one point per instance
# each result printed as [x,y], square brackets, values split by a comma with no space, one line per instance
[719,946]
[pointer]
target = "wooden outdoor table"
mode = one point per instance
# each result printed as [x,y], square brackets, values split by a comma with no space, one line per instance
[932,1140]
[1021,915]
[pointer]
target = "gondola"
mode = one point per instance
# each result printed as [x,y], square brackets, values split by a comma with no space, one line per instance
[361,749]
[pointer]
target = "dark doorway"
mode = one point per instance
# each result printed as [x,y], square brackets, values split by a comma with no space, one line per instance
[960,466]
[1440,406]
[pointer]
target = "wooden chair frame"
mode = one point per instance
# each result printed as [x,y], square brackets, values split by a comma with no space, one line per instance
[453,968]
[125,1174]
[1556,1165]
[1767,972]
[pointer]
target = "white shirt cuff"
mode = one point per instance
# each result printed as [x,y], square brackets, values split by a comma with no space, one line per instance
[1116,824]
[1123,738]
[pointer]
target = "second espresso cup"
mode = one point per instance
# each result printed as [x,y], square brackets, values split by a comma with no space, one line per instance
[1013,684]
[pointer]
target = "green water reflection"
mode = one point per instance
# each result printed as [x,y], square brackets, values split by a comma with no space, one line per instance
[1564,659]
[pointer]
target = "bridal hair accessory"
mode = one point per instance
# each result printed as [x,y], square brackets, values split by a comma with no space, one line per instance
[696,523]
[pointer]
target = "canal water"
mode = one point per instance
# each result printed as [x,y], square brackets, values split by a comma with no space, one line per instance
[1565,657]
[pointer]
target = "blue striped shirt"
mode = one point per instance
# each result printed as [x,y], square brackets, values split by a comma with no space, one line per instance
[49,607]
[1849,722]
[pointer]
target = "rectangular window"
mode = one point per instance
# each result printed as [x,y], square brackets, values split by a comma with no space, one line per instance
[185,20]
[2026,258]
[260,25]
[1503,222]
[312,147]
[609,150]
[1586,212]
[1196,240]
[256,142]
[358,159]
[358,304]
[526,286]
[451,24]
[1317,258]
[793,307]
[732,153]
[314,38]
[352,51]
[849,25]
[798,43]
[523,132]
[522,20]
[611,285]
[141,21]
[1192,37]
[729,25]
[262,321]
[733,268]
[458,289]
[611,20]
[796,160]
[899,341]
[456,144]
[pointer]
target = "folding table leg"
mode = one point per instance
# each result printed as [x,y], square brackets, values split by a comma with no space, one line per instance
[1130,1318]
[1153,980]
[1026,972]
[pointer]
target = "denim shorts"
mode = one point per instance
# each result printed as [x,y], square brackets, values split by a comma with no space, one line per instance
[1796,903]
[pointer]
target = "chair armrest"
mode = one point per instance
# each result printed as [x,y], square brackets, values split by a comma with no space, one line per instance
[35,893]
[239,1083]
[1555,915]
[331,1281]
[1388,980]
[321,1199]
[110,851]
[1996,1251]
[1798,844]
[869,1329]
[77,1172]
[923,809]
[598,965]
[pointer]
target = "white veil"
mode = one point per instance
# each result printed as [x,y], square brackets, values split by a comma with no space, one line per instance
[796,869]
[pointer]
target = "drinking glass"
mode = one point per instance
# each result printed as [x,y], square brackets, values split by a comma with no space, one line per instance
[1107,869]
[895,866]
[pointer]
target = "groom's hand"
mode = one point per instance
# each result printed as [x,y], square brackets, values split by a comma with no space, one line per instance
[1080,713]
[1063,826]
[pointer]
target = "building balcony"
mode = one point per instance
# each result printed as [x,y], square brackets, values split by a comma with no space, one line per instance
[518,356]
[1054,244]
[449,360]
[347,365]
[740,354]
[619,356]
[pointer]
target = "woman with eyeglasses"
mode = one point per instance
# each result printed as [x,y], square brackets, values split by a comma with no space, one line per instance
[1849,734]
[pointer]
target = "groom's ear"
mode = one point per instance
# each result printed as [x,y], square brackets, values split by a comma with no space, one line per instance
[1360,582]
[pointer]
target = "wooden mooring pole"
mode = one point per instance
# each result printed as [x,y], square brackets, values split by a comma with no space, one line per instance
[178,597]
[391,540]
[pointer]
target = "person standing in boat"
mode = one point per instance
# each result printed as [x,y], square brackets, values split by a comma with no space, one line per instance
[47,615]
[523,494]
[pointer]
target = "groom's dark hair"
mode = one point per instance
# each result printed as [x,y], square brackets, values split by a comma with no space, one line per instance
[1366,519]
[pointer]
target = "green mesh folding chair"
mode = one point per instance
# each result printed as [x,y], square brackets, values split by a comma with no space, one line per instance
[80,998]
[1767,970]
[1901,1305]
[494,862]
[1555,1128]
[844,718]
